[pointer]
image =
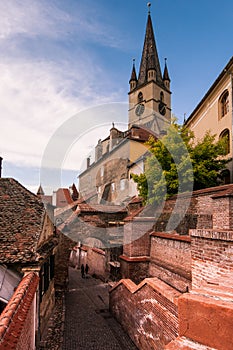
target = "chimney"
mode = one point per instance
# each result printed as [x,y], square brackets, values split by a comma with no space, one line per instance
[88,162]
[1,166]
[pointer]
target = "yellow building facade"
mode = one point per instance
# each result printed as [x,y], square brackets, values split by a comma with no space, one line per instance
[215,112]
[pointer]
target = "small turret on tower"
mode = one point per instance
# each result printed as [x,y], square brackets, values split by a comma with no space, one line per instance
[40,191]
[166,77]
[133,79]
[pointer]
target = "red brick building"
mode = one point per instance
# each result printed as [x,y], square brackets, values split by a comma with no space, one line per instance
[186,300]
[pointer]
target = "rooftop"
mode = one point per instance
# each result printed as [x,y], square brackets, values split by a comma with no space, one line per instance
[22,217]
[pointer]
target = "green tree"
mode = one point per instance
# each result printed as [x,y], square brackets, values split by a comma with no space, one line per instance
[178,163]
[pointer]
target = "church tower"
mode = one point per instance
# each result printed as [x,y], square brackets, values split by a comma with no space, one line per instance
[149,95]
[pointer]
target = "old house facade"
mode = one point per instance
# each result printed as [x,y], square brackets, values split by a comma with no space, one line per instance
[28,245]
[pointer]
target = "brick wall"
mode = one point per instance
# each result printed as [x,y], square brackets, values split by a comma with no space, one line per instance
[136,237]
[199,214]
[135,269]
[139,247]
[212,263]
[205,314]
[223,212]
[170,259]
[147,312]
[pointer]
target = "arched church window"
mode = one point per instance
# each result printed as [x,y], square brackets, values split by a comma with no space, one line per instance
[225,134]
[224,104]
[140,97]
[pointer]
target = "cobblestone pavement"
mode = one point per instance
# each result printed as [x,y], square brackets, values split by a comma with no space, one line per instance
[54,334]
[88,323]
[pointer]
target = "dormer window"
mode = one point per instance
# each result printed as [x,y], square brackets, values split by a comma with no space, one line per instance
[140,97]
[224,104]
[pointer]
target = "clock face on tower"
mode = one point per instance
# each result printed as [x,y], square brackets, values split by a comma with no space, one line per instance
[162,108]
[139,109]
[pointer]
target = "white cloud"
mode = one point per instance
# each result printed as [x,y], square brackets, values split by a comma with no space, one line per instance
[42,18]
[36,98]
[40,90]
[30,18]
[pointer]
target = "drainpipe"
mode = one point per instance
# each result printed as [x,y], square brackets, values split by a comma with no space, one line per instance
[231,77]
[1,166]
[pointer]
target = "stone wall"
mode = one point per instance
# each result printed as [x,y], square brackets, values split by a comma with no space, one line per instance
[62,257]
[148,312]
[97,263]
[46,307]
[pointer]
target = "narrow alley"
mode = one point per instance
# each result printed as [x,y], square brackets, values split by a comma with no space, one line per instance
[88,323]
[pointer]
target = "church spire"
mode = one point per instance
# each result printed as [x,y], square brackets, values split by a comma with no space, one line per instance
[150,58]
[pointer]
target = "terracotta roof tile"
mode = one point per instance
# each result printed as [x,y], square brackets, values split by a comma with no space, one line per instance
[21,222]
[13,316]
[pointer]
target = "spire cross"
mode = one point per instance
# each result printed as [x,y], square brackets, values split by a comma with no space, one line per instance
[148,5]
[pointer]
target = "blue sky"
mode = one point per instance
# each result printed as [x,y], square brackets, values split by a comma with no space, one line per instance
[60,57]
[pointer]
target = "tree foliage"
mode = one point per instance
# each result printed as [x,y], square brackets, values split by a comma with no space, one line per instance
[178,163]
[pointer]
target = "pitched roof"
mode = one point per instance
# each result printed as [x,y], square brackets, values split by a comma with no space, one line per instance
[21,222]
[150,58]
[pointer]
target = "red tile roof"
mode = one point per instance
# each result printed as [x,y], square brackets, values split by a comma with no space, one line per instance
[13,317]
[22,217]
